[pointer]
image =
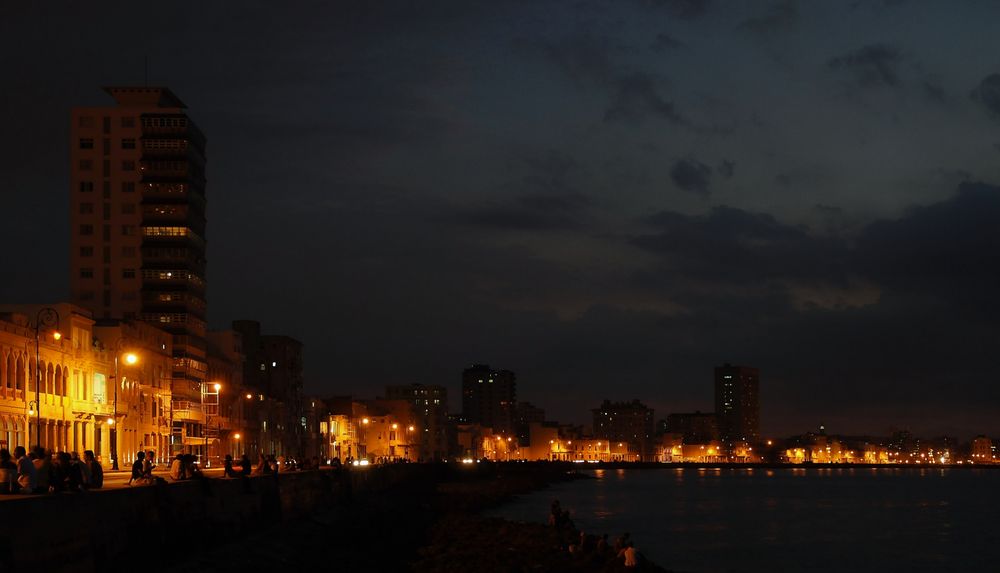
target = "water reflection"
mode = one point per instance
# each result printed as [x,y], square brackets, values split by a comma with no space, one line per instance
[788,519]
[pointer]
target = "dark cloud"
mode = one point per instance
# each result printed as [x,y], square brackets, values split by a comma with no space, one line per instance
[543,198]
[732,246]
[538,212]
[988,93]
[584,58]
[589,60]
[783,179]
[636,95]
[692,175]
[685,9]
[666,43]
[726,168]
[949,251]
[779,18]
[934,91]
[870,66]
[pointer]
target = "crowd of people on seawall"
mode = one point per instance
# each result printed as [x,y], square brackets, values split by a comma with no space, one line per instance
[42,471]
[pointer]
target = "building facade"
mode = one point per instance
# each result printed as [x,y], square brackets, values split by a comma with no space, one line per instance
[628,422]
[737,405]
[273,377]
[137,224]
[66,396]
[430,416]
[489,398]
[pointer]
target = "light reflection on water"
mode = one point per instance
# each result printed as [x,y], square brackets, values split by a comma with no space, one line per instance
[796,519]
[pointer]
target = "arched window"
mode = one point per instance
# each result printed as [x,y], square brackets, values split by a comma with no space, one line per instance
[19,372]
[58,385]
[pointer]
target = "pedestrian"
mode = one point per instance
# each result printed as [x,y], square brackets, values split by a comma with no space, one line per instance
[8,472]
[26,480]
[96,471]
[228,470]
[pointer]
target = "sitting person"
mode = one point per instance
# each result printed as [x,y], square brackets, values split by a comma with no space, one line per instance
[177,468]
[96,471]
[138,471]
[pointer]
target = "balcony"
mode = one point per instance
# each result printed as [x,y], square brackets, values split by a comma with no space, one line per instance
[186,411]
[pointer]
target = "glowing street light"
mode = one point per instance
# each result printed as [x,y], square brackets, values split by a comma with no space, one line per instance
[130,359]
[46,318]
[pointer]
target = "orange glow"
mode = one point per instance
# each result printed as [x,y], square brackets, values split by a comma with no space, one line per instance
[56,335]
[364,420]
[217,387]
[236,436]
[131,358]
[249,396]
[394,426]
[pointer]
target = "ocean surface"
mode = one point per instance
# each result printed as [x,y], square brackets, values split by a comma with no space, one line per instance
[795,519]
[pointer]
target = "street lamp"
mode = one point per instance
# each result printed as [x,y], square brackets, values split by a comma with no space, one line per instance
[46,317]
[130,359]
[218,421]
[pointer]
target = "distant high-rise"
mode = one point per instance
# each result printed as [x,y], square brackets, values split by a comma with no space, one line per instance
[737,404]
[623,421]
[489,398]
[429,404]
[137,197]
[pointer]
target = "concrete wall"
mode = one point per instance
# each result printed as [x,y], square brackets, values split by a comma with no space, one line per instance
[105,530]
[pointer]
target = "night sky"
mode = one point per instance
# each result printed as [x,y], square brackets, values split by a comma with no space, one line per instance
[609,198]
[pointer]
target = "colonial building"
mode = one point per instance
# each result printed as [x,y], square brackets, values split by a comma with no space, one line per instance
[79,403]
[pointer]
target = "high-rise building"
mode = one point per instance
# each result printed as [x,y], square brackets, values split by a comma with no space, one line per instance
[137,199]
[489,398]
[737,404]
[273,376]
[430,409]
[630,422]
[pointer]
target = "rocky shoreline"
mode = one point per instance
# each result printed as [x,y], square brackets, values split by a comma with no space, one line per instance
[428,526]
[462,539]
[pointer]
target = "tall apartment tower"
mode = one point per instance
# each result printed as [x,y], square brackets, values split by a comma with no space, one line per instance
[737,405]
[489,398]
[429,404]
[137,199]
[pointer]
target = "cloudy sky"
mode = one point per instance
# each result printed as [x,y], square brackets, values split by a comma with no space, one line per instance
[609,198]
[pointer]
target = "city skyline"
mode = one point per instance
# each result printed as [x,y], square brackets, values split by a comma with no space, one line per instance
[614,230]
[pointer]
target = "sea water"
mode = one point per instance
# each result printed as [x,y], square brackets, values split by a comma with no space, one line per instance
[789,519]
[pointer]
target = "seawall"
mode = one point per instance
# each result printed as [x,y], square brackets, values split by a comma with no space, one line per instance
[100,530]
